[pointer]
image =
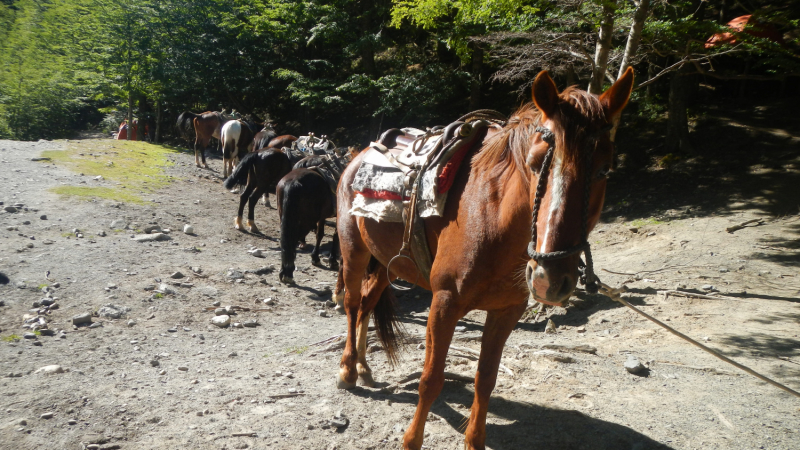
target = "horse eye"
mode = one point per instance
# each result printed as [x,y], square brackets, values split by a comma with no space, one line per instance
[603,172]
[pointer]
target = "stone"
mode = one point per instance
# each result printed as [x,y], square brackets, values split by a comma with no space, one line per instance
[707,287]
[28,336]
[112,311]
[183,368]
[152,229]
[118,224]
[177,275]
[460,329]
[237,325]
[221,321]
[269,301]
[632,365]
[43,217]
[131,323]
[322,313]
[150,237]
[234,274]
[96,325]
[188,229]
[154,363]
[82,319]
[172,330]
[250,323]
[221,312]
[633,229]
[50,370]
[101,233]
[165,288]
[256,252]
[47,415]
[10,209]
[72,422]
[550,328]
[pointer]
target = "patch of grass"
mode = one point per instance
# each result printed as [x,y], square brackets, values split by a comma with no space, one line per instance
[37,332]
[135,167]
[11,338]
[42,286]
[97,192]
[299,349]
[642,222]
[267,355]
[67,234]
[159,295]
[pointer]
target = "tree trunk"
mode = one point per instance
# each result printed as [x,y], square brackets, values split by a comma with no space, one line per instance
[368,60]
[651,72]
[143,115]
[477,70]
[634,36]
[678,124]
[129,131]
[157,138]
[603,47]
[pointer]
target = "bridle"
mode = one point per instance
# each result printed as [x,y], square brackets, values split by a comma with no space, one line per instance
[587,278]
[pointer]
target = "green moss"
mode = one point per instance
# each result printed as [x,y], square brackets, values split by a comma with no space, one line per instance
[642,222]
[135,168]
[11,338]
[298,349]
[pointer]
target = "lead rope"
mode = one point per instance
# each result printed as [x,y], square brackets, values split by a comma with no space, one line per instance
[614,294]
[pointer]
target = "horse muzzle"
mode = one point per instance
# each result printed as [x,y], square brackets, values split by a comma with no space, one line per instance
[552,282]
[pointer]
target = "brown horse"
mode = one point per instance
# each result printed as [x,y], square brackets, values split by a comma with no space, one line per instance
[282,141]
[486,254]
[206,125]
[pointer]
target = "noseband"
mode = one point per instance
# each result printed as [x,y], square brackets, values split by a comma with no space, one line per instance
[588,278]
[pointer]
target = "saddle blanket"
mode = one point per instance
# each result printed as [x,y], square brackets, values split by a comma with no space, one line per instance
[379,185]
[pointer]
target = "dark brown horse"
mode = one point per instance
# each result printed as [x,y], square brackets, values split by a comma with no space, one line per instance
[259,173]
[305,200]
[263,137]
[206,125]
[480,246]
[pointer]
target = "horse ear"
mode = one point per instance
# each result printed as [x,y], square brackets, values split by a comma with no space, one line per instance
[545,94]
[616,97]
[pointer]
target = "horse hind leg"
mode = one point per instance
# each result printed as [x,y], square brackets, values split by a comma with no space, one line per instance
[251,205]
[320,235]
[242,200]
[364,372]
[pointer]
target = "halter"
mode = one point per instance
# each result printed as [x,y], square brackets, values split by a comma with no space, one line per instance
[587,278]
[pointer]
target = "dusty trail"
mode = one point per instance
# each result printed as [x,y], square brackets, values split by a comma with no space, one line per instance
[171,379]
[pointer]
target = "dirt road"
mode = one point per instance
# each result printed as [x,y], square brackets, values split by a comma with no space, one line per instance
[153,372]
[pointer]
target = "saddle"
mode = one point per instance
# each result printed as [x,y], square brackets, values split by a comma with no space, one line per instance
[415,168]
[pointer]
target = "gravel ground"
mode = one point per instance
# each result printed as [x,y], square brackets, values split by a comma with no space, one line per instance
[151,371]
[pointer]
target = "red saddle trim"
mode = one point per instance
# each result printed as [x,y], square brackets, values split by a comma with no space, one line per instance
[381,195]
[445,179]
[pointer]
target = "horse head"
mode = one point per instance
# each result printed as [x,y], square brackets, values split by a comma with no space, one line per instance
[569,159]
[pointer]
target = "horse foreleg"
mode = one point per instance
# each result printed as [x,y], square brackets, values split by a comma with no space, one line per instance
[439,333]
[320,235]
[496,330]
[251,207]
[196,155]
[338,293]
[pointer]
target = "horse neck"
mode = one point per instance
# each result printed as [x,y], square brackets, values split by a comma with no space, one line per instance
[504,192]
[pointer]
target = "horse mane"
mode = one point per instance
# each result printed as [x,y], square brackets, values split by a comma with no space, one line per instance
[578,111]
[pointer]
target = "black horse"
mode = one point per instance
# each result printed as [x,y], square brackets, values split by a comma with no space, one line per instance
[258,172]
[305,200]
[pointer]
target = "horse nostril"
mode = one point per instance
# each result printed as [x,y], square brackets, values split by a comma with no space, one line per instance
[529,273]
[566,287]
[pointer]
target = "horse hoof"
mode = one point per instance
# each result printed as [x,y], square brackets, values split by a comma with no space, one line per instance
[367,380]
[251,225]
[237,223]
[340,309]
[287,280]
[341,384]
[334,265]
[316,262]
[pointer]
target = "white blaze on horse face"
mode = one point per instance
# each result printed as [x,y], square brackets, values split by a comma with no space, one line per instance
[557,193]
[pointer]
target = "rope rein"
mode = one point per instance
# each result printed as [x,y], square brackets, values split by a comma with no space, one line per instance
[614,294]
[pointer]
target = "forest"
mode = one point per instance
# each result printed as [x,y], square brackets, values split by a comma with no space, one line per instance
[351,68]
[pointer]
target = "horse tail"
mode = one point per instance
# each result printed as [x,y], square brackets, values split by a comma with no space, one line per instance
[241,171]
[384,315]
[181,124]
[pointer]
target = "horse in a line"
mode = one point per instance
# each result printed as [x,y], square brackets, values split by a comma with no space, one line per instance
[504,236]
[206,125]
[259,172]
[237,140]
